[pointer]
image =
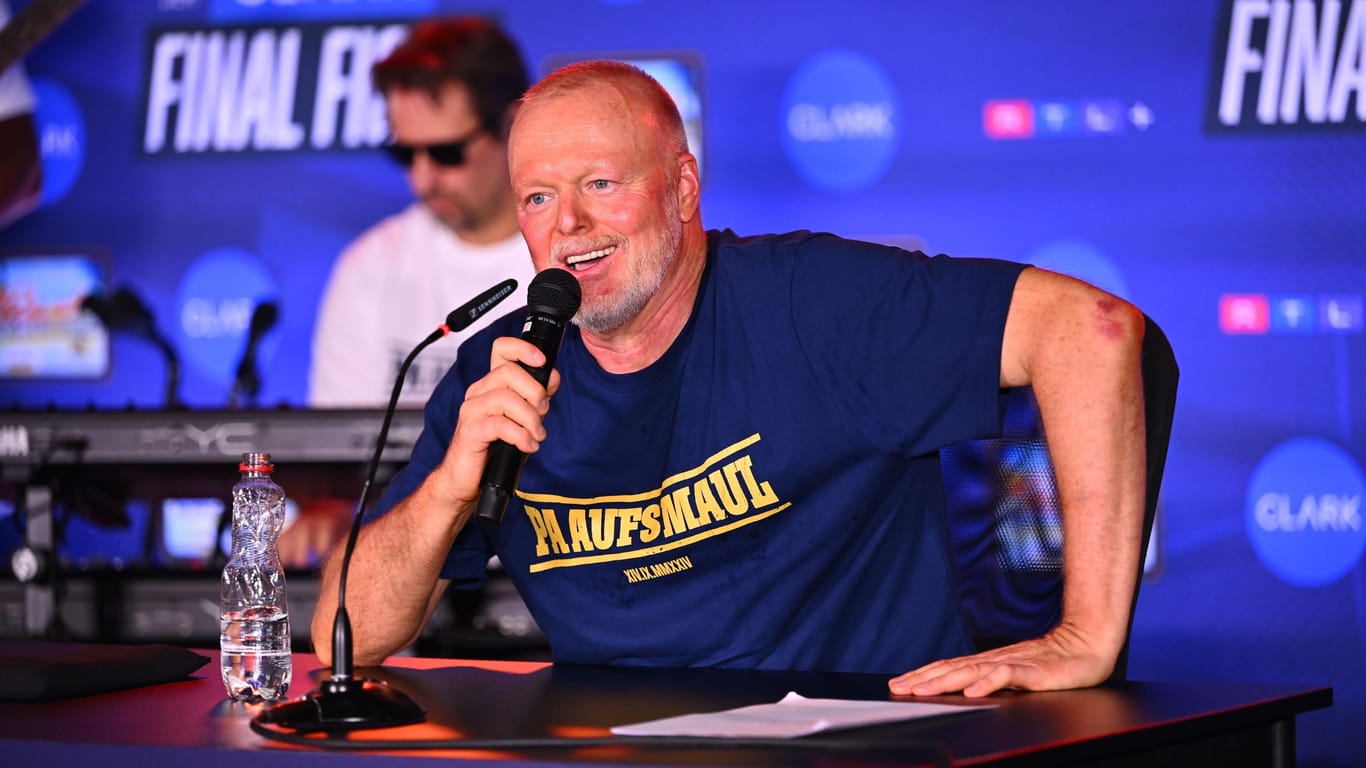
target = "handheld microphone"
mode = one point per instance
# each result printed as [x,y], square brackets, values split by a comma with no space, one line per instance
[552,299]
[248,380]
[343,702]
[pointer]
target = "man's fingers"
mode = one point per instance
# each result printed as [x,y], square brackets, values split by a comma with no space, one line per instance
[1041,664]
[934,670]
[972,678]
[1027,665]
[507,404]
[999,676]
[509,349]
[502,415]
[514,377]
[904,683]
[951,678]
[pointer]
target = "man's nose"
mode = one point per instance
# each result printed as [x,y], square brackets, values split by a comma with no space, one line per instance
[422,174]
[572,215]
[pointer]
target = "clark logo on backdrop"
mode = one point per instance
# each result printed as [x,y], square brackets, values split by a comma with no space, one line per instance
[1289,64]
[214,304]
[839,121]
[264,88]
[1304,512]
[61,131]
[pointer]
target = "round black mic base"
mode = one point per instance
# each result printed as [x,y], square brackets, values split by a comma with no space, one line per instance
[345,705]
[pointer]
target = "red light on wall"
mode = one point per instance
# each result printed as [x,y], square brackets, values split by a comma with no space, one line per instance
[1006,119]
[1244,313]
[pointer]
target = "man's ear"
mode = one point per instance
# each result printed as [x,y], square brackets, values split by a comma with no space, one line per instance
[689,187]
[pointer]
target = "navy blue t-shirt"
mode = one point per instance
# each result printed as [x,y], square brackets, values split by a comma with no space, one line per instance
[767,494]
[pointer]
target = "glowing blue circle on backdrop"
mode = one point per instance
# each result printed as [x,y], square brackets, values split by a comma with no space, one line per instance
[839,121]
[1082,260]
[1304,512]
[214,304]
[61,134]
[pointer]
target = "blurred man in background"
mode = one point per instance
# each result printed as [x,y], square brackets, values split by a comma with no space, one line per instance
[450,92]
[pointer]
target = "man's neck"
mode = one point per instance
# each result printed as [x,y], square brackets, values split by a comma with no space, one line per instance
[647,336]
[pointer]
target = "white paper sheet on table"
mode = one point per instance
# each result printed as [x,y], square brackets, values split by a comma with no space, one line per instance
[793,716]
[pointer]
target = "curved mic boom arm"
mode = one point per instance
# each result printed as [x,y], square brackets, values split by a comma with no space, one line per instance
[343,702]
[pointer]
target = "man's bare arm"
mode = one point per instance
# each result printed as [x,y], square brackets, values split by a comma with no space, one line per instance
[1080,350]
[393,584]
[395,574]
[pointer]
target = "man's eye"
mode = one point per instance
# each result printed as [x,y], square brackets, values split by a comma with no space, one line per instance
[601,184]
[536,198]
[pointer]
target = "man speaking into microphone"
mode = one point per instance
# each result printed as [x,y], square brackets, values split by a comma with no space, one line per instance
[734,461]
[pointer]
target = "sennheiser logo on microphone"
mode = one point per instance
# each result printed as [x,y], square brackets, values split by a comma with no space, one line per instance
[490,301]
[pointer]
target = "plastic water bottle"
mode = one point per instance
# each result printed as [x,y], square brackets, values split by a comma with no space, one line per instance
[253,608]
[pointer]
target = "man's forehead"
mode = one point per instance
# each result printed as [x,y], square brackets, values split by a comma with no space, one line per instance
[591,99]
[449,97]
[417,115]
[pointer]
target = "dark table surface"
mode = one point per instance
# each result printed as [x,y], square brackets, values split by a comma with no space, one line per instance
[191,719]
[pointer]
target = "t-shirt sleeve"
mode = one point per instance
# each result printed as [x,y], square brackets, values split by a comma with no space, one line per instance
[908,346]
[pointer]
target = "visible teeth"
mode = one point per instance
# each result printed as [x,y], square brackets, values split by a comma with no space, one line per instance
[584,258]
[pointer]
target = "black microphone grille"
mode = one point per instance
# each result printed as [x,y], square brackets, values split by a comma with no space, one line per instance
[264,317]
[555,291]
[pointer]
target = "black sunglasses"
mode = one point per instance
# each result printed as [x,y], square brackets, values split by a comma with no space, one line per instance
[449,154]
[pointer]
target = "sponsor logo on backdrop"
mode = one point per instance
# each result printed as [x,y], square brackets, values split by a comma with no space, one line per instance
[1008,119]
[1026,119]
[1261,313]
[61,137]
[1289,65]
[1342,314]
[1304,512]
[1244,313]
[839,121]
[214,304]
[264,88]
[1293,314]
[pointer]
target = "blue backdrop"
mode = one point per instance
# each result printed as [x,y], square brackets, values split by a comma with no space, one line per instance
[1204,159]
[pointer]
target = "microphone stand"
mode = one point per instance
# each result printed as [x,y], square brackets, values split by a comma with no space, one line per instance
[172,392]
[344,702]
[248,379]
